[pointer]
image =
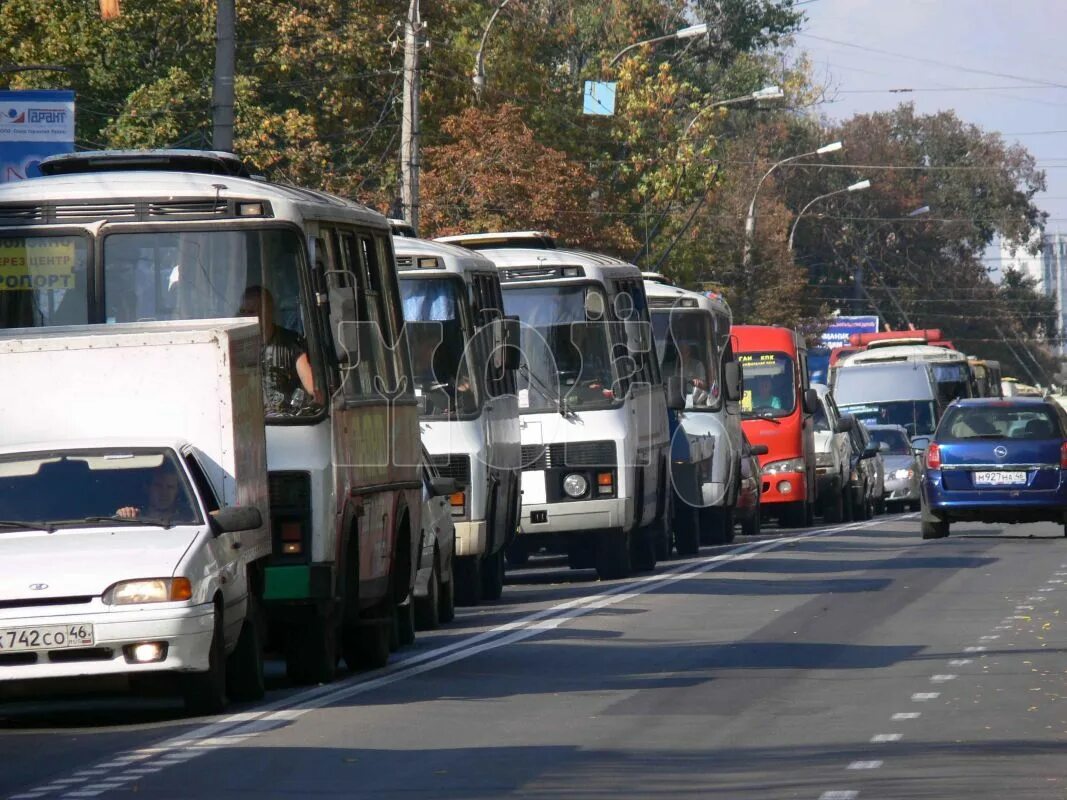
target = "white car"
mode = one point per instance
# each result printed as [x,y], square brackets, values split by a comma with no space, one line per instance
[434,583]
[117,560]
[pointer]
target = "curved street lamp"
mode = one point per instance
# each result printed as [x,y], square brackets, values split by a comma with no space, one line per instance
[750,219]
[766,93]
[479,58]
[685,33]
[859,186]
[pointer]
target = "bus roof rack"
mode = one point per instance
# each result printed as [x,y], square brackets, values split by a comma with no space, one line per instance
[531,240]
[656,277]
[209,162]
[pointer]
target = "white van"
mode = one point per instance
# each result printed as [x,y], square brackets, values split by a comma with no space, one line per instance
[592,404]
[468,409]
[692,334]
[952,370]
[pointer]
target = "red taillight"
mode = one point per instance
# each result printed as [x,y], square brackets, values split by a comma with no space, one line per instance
[933,456]
[1063,456]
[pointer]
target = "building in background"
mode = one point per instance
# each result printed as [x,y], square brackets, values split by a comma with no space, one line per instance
[1048,268]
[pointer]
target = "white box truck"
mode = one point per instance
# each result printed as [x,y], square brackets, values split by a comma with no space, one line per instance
[134,516]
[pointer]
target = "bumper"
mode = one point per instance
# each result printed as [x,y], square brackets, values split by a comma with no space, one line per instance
[995,504]
[784,487]
[897,490]
[186,631]
[471,538]
[577,517]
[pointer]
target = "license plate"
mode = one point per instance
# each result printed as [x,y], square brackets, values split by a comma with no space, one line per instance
[45,637]
[1000,478]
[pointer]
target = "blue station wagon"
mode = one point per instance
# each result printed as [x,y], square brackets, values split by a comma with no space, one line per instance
[993,460]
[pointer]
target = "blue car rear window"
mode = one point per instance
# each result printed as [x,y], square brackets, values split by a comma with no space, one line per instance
[998,422]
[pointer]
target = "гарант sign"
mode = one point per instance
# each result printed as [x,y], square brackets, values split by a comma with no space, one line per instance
[33,125]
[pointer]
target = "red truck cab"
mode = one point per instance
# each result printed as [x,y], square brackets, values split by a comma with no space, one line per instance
[777,404]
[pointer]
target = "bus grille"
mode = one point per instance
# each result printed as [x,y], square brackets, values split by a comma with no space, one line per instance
[568,454]
[119,211]
[453,466]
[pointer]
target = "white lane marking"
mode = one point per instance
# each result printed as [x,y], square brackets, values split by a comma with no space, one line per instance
[989,637]
[1024,608]
[879,738]
[865,765]
[943,678]
[903,715]
[296,705]
[1055,580]
[922,697]
[1046,589]
[839,794]
[974,649]
[28,796]
[959,662]
[1020,616]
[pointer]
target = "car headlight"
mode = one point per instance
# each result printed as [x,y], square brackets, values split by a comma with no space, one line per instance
[575,485]
[824,459]
[788,465]
[902,474]
[148,590]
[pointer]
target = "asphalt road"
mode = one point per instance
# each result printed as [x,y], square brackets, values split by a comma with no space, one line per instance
[836,663]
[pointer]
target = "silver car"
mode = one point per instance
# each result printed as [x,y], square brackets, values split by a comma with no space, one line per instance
[901,466]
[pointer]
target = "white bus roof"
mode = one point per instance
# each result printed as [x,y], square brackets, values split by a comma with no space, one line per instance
[501,239]
[914,352]
[661,295]
[444,257]
[532,266]
[162,195]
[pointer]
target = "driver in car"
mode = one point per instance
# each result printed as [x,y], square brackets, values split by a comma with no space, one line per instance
[765,395]
[283,359]
[164,494]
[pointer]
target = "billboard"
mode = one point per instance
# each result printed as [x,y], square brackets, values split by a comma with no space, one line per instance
[837,333]
[33,124]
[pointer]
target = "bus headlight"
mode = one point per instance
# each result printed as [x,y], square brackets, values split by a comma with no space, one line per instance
[575,485]
[788,465]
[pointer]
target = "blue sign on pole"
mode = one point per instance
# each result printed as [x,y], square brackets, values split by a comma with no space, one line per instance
[836,335]
[598,100]
[34,124]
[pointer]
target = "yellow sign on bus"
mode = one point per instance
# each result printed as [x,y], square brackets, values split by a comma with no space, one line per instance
[37,263]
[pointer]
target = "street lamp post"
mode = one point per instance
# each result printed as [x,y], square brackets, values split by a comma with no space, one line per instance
[859,186]
[750,219]
[479,58]
[766,93]
[685,33]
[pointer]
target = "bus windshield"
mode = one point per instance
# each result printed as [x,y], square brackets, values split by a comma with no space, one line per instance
[43,281]
[684,346]
[769,388]
[566,357]
[953,381]
[917,417]
[438,333]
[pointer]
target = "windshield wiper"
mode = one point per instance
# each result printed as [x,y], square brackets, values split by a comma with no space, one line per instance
[548,391]
[767,415]
[156,523]
[24,525]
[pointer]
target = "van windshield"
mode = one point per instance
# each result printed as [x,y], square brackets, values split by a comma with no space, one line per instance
[769,388]
[437,328]
[566,355]
[43,281]
[953,381]
[684,345]
[917,417]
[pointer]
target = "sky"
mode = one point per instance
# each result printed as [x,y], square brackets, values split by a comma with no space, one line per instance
[999,64]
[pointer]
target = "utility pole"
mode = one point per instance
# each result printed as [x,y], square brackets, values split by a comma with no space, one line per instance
[222,94]
[409,145]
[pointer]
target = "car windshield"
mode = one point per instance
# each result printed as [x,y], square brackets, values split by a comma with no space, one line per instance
[43,281]
[898,443]
[684,345]
[438,332]
[917,417]
[768,384]
[998,422]
[94,488]
[566,357]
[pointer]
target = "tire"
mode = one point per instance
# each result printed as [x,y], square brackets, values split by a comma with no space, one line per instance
[834,509]
[366,643]
[447,611]
[493,576]
[244,666]
[751,526]
[517,553]
[405,622]
[613,555]
[311,655]
[914,506]
[581,552]
[467,575]
[428,608]
[205,692]
[716,525]
[687,531]
[643,548]
[936,529]
[795,515]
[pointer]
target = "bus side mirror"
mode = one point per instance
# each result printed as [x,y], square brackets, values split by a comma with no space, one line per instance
[811,401]
[759,450]
[732,378]
[675,395]
[512,339]
[844,425]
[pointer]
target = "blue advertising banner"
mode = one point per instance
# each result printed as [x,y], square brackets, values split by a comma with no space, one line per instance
[836,335]
[33,124]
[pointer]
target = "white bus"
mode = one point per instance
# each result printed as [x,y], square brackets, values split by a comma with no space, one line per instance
[692,333]
[592,404]
[465,387]
[112,237]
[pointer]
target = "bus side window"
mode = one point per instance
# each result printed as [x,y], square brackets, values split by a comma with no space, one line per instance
[375,323]
[393,317]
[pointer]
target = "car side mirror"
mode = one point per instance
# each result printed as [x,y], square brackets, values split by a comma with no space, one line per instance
[811,401]
[759,450]
[731,374]
[920,443]
[675,394]
[844,425]
[883,447]
[870,451]
[512,339]
[232,519]
[443,487]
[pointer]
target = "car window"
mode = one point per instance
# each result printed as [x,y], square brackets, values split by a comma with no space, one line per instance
[899,445]
[1002,421]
